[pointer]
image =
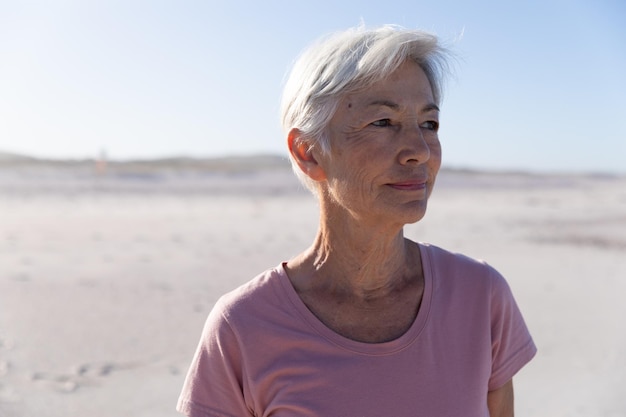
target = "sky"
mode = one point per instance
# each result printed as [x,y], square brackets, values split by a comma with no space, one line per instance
[538,85]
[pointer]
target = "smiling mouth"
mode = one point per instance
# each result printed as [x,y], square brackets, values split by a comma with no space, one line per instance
[409,185]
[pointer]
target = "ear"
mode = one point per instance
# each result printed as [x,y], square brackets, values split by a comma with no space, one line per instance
[302,151]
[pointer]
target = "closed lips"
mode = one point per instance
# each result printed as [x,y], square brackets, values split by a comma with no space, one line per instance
[409,185]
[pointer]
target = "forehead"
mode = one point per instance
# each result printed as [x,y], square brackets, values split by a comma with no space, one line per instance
[408,85]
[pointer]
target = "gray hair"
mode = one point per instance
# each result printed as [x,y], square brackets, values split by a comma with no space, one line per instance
[346,62]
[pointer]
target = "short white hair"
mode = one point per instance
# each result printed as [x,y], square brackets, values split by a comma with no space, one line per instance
[345,62]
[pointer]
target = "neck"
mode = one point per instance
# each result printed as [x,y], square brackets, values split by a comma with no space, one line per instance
[350,258]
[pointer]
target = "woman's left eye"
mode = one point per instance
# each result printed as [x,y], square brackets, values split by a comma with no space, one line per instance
[431,125]
[382,123]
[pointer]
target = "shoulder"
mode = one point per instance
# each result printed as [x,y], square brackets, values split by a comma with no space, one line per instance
[216,382]
[455,274]
[443,262]
[261,290]
[258,307]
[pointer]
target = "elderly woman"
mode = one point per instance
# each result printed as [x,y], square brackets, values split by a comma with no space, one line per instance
[364,323]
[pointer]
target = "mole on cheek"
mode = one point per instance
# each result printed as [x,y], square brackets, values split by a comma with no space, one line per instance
[349,105]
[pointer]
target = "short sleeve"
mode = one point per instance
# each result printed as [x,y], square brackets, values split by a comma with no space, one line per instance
[512,346]
[214,385]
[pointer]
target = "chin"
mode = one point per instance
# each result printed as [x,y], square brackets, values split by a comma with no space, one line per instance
[415,213]
[415,219]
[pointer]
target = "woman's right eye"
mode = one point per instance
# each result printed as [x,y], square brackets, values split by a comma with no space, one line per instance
[382,123]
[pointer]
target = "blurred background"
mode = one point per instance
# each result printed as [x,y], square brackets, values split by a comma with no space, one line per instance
[143,174]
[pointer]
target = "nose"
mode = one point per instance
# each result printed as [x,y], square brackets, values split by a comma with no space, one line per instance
[414,147]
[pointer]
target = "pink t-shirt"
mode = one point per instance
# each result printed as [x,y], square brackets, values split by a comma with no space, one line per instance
[263,353]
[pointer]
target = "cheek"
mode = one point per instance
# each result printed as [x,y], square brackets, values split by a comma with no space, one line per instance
[435,151]
[353,181]
[355,177]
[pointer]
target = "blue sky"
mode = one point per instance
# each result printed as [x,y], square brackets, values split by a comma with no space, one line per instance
[539,85]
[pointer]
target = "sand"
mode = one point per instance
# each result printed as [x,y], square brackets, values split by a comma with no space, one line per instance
[107,275]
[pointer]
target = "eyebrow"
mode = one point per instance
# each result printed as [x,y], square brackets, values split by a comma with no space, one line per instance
[430,107]
[395,106]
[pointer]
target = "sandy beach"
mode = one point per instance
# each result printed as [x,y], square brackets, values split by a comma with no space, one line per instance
[107,274]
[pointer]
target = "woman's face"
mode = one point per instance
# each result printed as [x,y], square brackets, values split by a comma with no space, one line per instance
[385,152]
